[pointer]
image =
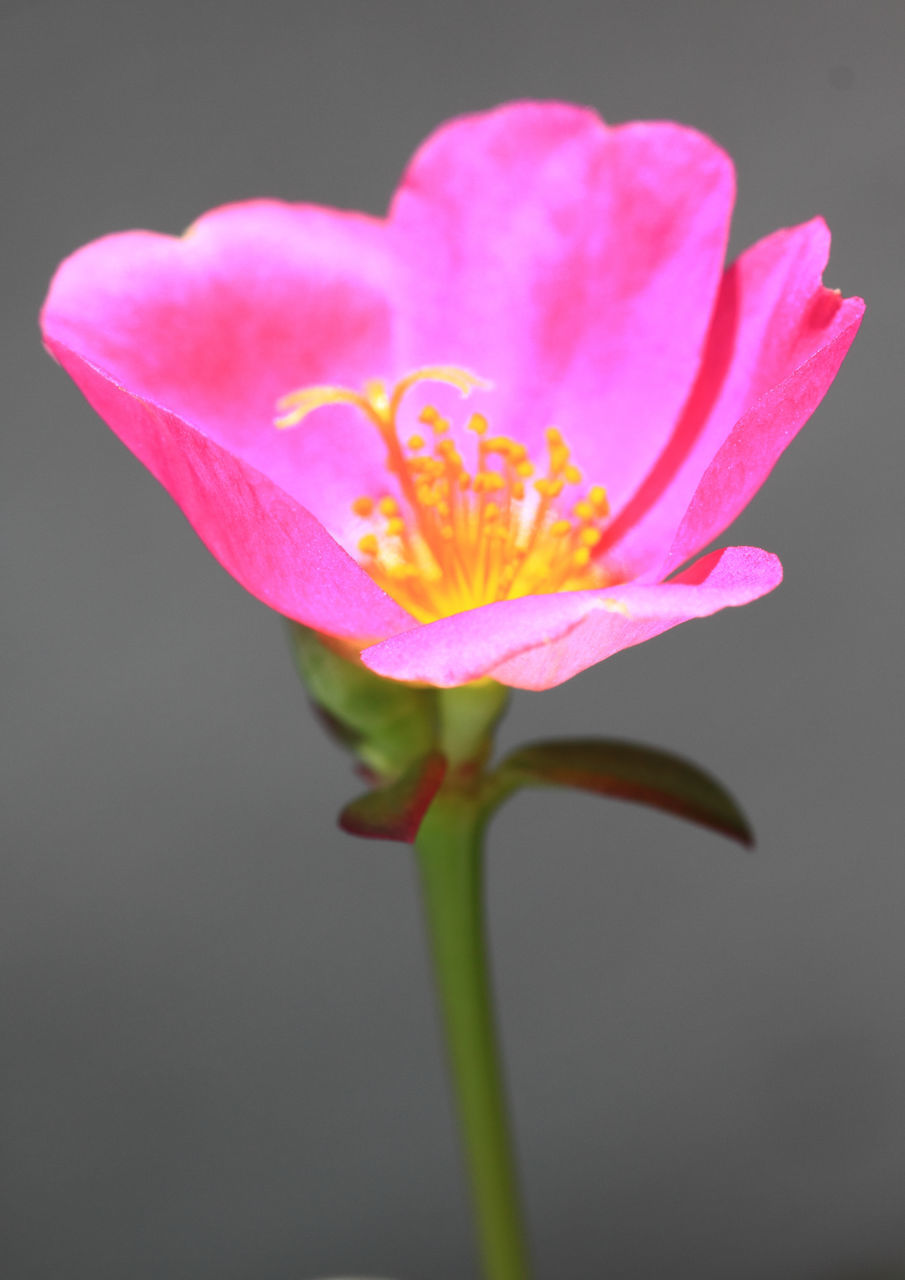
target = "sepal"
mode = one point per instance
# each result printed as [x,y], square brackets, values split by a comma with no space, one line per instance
[626,771]
[395,811]
[388,725]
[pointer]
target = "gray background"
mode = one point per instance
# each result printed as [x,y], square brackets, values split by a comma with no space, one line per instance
[220,1058]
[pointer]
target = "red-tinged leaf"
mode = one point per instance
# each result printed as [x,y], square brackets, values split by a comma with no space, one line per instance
[395,812]
[627,771]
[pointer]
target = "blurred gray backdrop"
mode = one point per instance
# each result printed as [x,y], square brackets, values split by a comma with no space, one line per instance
[219,1052]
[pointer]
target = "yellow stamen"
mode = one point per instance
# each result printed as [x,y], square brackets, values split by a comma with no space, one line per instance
[454,537]
[598,498]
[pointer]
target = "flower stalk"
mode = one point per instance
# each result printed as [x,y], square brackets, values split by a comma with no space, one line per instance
[450,856]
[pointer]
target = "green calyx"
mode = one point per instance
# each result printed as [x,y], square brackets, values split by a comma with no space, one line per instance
[425,748]
[388,726]
[399,731]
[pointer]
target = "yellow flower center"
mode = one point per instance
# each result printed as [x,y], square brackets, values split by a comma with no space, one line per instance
[456,538]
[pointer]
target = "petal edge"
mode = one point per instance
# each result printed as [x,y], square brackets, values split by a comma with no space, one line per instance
[271,544]
[536,642]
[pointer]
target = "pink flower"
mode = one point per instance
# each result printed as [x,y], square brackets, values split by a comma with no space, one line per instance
[627,395]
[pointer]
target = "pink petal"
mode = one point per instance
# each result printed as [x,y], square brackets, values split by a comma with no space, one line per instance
[754,445]
[574,265]
[253,301]
[773,318]
[274,547]
[539,641]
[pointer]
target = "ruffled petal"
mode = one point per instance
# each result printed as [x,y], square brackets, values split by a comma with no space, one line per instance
[253,301]
[574,265]
[773,319]
[537,642]
[755,443]
[269,543]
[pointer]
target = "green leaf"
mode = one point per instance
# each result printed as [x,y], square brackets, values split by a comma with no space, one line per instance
[627,771]
[394,812]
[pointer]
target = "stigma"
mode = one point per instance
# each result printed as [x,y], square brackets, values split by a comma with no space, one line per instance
[453,535]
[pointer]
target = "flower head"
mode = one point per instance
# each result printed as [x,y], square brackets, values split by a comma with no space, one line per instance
[481,436]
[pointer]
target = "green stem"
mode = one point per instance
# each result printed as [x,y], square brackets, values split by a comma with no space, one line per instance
[450,857]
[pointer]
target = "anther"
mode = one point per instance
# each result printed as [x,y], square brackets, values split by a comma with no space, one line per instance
[499,444]
[559,457]
[597,495]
